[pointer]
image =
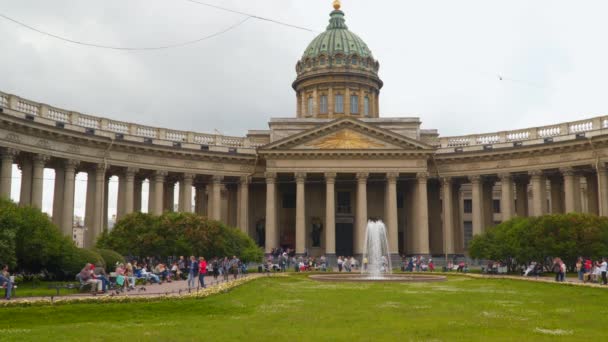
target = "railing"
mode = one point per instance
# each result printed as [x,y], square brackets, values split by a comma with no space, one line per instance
[522,135]
[118,127]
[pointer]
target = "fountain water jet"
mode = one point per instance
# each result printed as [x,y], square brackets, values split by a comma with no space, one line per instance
[375,250]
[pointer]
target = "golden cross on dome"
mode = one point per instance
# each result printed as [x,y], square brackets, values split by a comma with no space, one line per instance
[337,4]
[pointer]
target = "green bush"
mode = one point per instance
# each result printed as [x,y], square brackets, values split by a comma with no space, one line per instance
[522,240]
[74,261]
[110,258]
[173,234]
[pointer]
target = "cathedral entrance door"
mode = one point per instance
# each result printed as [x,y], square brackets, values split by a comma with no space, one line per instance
[344,239]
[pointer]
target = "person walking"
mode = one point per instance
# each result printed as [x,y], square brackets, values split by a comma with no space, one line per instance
[5,280]
[603,270]
[202,271]
[192,272]
[556,268]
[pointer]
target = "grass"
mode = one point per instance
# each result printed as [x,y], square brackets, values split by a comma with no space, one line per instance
[30,289]
[298,309]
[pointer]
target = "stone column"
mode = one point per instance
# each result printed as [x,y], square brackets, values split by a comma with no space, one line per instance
[361,221]
[187,192]
[569,189]
[272,240]
[603,190]
[476,189]
[120,201]
[243,207]
[106,200]
[521,192]
[539,193]
[330,103]
[151,197]
[96,224]
[557,198]
[422,216]
[158,184]
[169,194]
[390,212]
[129,188]
[67,215]
[330,215]
[38,179]
[300,213]
[25,198]
[137,195]
[58,195]
[448,216]
[6,173]
[216,195]
[506,197]
[592,194]
[201,199]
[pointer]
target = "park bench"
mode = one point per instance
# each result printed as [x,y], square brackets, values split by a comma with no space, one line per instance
[13,286]
[69,286]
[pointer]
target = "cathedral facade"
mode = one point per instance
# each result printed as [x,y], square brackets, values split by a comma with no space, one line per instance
[312,182]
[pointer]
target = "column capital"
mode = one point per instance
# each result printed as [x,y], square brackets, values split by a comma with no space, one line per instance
[217,179]
[475,179]
[567,171]
[505,177]
[362,177]
[245,180]
[392,177]
[71,164]
[41,158]
[159,176]
[300,177]
[271,177]
[535,173]
[9,153]
[330,177]
[100,167]
[446,181]
[422,176]
[189,177]
[131,171]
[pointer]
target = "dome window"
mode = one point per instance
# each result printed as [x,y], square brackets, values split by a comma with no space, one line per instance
[366,106]
[339,60]
[323,104]
[310,106]
[322,61]
[339,106]
[354,104]
[353,61]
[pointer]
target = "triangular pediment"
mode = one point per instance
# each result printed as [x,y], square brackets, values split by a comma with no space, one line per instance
[347,134]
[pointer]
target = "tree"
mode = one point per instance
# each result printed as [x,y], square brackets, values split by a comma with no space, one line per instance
[173,234]
[522,240]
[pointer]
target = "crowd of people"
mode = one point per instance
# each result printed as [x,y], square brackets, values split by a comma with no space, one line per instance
[589,271]
[192,270]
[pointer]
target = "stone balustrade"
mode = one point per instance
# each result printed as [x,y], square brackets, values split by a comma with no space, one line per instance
[529,136]
[52,116]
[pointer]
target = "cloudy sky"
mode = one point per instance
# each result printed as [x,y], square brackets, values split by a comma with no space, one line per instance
[440,60]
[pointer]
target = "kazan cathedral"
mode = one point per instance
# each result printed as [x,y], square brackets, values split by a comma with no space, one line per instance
[311,182]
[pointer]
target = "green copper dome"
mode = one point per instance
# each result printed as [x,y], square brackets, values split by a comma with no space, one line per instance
[337,39]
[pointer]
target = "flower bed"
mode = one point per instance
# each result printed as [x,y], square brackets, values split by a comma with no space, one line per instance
[201,293]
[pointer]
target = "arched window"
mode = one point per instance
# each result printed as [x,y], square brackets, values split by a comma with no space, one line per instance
[354,104]
[322,61]
[310,106]
[353,61]
[339,105]
[323,104]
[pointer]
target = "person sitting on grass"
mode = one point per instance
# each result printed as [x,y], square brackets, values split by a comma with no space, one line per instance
[5,281]
[86,276]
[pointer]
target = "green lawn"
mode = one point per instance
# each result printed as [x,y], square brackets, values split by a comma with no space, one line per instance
[30,289]
[294,308]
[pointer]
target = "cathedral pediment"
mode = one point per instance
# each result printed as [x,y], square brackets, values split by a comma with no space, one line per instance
[347,134]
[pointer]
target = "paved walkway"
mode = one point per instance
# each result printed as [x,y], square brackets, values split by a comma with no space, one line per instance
[174,288]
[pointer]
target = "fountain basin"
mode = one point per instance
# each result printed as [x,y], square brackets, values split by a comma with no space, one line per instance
[389,278]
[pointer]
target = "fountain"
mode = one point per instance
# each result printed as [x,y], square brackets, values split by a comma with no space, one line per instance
[378,267]
[375,251]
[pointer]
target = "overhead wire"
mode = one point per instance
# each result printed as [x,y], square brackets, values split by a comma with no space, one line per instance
[122,48]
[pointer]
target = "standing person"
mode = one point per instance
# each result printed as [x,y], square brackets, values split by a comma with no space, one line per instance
[181,264]
[234,266]
[556,268]
[225,268]
[215,265]
[580,268]
[202,271]
[603,270]
[192,272]
[431,265]
[365,264]
[5,280]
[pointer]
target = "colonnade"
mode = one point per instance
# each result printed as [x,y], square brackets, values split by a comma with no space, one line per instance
[208,191]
